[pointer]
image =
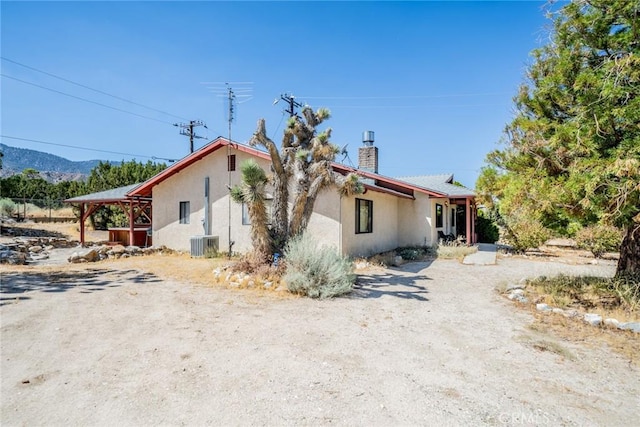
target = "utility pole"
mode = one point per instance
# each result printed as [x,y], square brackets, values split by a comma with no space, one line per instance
[291,102]
[186,129]
[232,98]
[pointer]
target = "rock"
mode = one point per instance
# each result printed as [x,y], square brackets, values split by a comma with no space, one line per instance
[611,322]
[542,307]
[13,257]
[36,249]
[571,313]
[630,326]
[515,286]
[132,249]
[557,311]
[398,260]
[593,319]
[90,255]
[117,250]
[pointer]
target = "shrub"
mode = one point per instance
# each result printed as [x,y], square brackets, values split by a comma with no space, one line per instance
[524,233]
[317,272]
[599,239]
[7,207]
[411,254]
[486,228]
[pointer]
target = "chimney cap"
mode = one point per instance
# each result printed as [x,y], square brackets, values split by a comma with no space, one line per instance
[368,137]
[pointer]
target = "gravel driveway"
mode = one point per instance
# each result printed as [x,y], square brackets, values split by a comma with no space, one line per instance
[427,344]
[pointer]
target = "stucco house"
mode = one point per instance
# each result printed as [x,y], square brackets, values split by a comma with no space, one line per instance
[191,199]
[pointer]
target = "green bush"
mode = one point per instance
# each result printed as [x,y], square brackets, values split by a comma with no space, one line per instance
[7,207]
[599,239]
[524,233]
[486,228]
[317,272]
[411,254]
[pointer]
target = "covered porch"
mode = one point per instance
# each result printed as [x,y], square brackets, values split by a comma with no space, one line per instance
[137,209]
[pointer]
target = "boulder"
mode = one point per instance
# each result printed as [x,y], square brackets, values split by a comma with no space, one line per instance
[593,319]
[630,326]
[12,257]
[89,255]
[36,249]
[542,307]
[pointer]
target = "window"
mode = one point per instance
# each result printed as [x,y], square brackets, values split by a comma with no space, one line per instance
[364,216]
[453,216]
[231,162]
[246,219]
[439,215]
[184,212]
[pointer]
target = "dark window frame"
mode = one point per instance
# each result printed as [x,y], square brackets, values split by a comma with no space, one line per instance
[439,215]
[184,212]
[360,203]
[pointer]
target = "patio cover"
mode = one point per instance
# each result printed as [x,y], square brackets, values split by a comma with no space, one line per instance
[134,207]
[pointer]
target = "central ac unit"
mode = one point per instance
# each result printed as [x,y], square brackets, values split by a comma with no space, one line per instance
[201,245]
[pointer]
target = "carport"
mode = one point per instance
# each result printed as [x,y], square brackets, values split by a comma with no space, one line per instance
[136,208]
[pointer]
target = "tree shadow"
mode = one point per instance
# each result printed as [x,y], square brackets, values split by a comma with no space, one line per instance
[402,282]
[13,284]
[16,231]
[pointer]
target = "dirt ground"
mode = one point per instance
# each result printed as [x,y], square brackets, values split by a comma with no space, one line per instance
[431,343]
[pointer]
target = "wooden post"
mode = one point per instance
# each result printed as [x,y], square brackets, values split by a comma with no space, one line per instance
[468,217]
[131,220]
[82,224]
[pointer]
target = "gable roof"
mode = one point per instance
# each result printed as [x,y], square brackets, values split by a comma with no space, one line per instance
[145,189]
[400,187]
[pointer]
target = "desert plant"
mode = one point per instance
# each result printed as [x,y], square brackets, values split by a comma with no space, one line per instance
[317,272]
[523,233]
[486,228]
[7,207]
[599,239]
[454,251]
[411,254]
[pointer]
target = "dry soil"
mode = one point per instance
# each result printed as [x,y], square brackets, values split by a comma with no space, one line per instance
[430,343]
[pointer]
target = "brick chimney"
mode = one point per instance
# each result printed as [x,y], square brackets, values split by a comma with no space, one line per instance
[368,153]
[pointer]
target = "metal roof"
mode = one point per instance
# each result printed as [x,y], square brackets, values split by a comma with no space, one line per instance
[440,183]
[112,195]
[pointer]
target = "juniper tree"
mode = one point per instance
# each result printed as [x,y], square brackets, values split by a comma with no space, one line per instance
[572,154]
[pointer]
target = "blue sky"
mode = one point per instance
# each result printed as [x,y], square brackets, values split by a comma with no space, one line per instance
[433,80]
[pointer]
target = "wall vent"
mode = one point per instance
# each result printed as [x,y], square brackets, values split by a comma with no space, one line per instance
[201,245]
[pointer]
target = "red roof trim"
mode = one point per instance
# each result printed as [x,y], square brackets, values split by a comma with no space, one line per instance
[145,189]
[393,186]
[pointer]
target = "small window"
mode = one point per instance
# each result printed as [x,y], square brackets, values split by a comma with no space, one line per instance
[231,162]
[184,212]
[246,219]
[439,215]
[364,216]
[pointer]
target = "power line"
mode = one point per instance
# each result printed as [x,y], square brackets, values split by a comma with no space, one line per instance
[85,148]
[455,95]
[90,88]
[85,100]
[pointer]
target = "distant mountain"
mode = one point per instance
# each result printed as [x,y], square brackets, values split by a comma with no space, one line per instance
[51,167]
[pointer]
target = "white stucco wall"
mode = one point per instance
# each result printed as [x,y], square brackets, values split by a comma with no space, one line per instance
[414,223]
[188,185]
[385,225]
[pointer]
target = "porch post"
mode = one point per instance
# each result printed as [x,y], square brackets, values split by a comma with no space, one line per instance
[131,220]
[468,217]
[81,224]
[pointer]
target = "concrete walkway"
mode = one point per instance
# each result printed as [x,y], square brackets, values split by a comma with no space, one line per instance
[486,255]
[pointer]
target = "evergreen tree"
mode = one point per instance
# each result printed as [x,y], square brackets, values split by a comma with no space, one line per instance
[572,154]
